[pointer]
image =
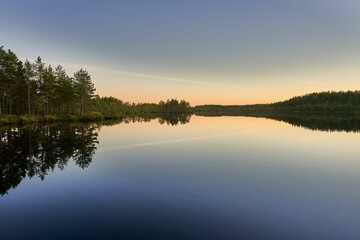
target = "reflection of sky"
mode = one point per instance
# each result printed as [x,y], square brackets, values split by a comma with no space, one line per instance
[223,177]
[225,130]
[203,51]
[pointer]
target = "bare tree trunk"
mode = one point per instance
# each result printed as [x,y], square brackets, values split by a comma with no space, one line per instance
[28,100]
[17,105]
[4,106]
[47,105]
[10,106]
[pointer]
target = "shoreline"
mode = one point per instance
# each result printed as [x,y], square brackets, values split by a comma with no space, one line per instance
[21,120]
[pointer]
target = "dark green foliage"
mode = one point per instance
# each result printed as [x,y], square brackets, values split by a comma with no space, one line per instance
[325,98]
[174,106]
[84,90]
[36,89]
[12,82]
[113,105]
[326,111]
[324,102]
[39,90]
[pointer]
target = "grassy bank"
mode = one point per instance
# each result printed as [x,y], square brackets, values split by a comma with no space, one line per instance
[26,119]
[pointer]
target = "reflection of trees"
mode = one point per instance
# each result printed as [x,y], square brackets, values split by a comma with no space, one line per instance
[86,148]
[37,150]
[320,122]
[168,118]
[34,151]
[339,123]
[174,119]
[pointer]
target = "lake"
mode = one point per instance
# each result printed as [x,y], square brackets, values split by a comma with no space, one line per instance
[196,178]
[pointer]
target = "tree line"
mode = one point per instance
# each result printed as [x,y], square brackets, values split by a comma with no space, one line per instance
[113,105]
[322,102]
[330,101]
[38,89]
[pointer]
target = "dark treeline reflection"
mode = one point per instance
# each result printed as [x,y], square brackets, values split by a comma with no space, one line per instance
[320,122]
[38,150]
[329,123]
[35,151]
[172,119]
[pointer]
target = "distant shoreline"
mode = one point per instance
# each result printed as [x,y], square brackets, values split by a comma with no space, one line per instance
[314,103]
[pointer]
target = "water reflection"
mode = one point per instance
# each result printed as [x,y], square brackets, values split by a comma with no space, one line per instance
[173,120]
[164,118]
[37,150]
[329,123]
[34,151]
[319,122]
[222,178]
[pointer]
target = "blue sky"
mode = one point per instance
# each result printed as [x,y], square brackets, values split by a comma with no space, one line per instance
[228,52]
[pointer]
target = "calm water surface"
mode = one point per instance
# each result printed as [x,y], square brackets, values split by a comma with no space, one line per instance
[212,178]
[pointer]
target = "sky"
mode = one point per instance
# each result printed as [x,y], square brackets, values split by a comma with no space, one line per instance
[206,52]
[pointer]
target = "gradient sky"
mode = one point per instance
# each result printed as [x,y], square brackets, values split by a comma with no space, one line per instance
[221,52]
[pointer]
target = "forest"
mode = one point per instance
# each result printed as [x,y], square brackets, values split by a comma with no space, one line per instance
[323,102]
[45,93]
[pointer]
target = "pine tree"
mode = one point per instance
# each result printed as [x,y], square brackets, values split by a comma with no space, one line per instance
[84,89]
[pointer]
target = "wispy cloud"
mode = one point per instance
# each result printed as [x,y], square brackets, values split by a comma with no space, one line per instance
[97,69]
